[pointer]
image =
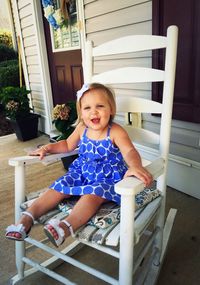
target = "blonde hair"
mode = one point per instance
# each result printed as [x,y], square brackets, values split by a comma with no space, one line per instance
[110,96]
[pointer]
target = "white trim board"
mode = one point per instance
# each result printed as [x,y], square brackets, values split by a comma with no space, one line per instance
[44,67]
[183,173]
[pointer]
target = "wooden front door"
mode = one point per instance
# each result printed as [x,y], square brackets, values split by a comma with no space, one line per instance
[184,14]
[65,62]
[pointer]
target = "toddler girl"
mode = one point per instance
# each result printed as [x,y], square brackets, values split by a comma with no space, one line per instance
[106,155]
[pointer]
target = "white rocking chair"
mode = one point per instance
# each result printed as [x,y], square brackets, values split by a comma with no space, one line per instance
[151,222]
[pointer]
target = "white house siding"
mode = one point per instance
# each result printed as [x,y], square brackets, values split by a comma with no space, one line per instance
[25,28]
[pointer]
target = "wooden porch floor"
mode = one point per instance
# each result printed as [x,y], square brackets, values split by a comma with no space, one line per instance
[181,265]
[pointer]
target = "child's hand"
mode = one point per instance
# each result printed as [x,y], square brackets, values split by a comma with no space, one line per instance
[141,173]
[38,152]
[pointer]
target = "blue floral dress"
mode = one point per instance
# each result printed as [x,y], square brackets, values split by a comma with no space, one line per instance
[98,167]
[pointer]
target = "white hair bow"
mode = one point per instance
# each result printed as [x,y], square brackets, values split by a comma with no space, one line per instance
[80,92]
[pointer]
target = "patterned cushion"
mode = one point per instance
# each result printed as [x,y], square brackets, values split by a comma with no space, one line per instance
[109,213]
[146,196]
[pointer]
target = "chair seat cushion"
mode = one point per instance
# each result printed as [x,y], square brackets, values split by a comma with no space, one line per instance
[104,226]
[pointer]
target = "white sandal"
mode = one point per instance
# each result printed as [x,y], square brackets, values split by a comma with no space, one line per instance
[20,229]
[61,234]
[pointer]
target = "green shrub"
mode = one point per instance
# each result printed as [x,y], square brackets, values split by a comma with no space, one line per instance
[6,38]
[9,62]
[15,101]
[9,73]
[7,53]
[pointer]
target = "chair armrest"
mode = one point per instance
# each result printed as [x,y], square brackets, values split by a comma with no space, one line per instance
[21,160]
[132,185]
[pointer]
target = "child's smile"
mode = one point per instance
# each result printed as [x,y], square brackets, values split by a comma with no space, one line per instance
[95,121]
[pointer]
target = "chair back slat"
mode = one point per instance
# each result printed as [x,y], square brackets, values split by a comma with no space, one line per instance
[130,44]
[132,75]
[137,105]
[141,136]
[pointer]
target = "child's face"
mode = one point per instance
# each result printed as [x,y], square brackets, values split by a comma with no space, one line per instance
[95,110]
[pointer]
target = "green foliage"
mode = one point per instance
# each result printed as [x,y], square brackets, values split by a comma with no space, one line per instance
[73,113]
[6,38]
[9,73]
[15,101]
[9,69]
[7,53]
[64,135]
[9,62]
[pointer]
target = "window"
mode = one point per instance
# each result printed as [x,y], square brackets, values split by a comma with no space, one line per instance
[67,36]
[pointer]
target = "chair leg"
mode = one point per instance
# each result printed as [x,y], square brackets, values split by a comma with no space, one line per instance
[126,240]
[20,253]
[19,198]
[160,222]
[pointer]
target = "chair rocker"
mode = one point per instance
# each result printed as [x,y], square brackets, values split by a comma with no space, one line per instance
[150,227]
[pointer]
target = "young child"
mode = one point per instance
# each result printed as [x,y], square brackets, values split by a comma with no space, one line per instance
[105,151]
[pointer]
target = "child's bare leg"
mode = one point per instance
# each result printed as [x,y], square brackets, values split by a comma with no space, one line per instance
[40,206]
[85,208]
[46,202]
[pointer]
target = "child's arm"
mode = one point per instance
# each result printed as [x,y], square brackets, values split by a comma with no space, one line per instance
[130,155]
[62,146]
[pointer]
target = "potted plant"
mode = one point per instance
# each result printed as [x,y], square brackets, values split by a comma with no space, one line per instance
[64,116]
[16,106]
